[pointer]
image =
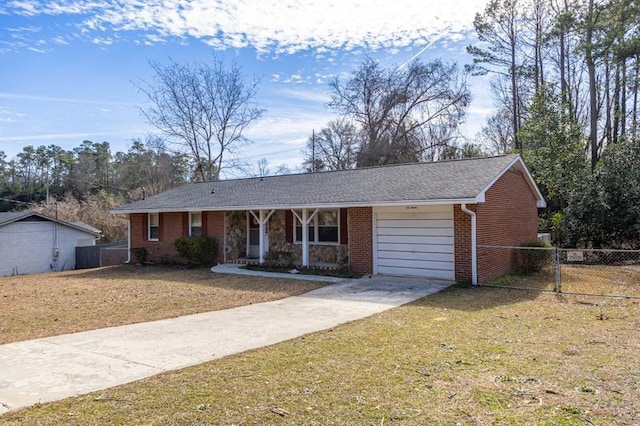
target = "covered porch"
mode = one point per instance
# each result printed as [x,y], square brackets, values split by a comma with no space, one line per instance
[278,237]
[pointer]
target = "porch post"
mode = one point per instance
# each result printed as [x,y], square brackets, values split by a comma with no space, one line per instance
[305,238]
[305,219]
[248,229]
[261,231]
[263,219]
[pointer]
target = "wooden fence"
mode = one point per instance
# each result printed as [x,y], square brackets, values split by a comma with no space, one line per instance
[101,255]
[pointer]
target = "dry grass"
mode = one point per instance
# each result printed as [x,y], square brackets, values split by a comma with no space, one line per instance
[464,356]
[42,305]
[618,280]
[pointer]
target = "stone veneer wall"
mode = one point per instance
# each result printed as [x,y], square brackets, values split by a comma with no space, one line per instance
[236,241]
[236,235]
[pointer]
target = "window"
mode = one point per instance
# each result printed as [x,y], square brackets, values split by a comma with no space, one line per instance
[323,228]
[195,224]
[154,226]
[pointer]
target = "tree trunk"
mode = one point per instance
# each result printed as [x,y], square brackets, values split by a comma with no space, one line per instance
[514,90]
[616,103]
[636,87]
[593,93]
[607,136]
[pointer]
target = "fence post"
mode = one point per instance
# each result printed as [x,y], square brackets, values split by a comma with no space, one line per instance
[556,264]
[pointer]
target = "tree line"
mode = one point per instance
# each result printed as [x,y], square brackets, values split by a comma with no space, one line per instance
[91,167]
[565,78]
[86,182]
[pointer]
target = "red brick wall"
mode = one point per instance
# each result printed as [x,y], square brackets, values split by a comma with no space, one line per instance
[215,228]
[509,217]
[172,226]
[462,243]
[360,239]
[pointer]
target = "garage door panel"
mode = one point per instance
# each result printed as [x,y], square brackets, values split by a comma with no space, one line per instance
[414,223]
[428,232]
[424,256]
[431,273]
[410,240]
[415,264]
[416,243]
[424,248]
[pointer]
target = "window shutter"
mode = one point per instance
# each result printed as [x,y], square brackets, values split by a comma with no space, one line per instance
[204,223]
[160,230]
[185,223]
[288,226]
[344,227]
[145,227]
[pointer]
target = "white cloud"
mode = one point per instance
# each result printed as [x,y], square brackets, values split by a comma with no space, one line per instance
[26,7]
[271,26]
[36,50]
[59,7]
[102,41]
[296,78]
[310,96]
[60,41]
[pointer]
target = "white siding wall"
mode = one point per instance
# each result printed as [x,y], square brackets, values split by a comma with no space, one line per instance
[28,247]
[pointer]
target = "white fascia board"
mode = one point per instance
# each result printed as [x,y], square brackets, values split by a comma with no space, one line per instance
[52,220]
[519,163]
[305,206]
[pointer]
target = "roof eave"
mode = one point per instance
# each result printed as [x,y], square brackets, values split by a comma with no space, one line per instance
[50,219]
[471,200]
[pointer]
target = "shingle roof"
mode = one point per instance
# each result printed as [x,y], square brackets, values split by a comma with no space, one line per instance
[461,180]
[10,217]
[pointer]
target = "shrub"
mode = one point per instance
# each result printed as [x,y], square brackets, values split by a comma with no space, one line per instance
[201,249]
[535,258]
[140,254]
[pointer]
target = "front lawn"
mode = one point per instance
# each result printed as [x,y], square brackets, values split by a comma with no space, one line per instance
[463,356]
[43,305]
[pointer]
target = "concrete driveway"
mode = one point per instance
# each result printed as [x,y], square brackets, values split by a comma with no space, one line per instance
[54,368]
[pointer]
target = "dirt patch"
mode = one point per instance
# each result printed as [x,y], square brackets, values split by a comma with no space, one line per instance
[41,305]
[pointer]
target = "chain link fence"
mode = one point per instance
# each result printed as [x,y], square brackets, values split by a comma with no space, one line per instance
[600,272]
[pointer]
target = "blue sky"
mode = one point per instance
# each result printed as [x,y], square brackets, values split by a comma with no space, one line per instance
[68,67]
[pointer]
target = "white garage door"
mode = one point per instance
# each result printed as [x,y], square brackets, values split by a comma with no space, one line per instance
[415,241]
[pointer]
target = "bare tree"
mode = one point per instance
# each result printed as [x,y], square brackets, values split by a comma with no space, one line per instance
[393,107]
[264,169]
[335,147]
[497,134]
[206,108]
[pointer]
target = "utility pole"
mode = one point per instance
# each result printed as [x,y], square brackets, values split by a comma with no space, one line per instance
[313,150]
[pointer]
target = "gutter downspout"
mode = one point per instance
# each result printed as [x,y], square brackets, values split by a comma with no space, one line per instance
[474,251]
[128,238]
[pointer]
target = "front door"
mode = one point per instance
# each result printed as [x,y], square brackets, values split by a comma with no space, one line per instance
[253,232]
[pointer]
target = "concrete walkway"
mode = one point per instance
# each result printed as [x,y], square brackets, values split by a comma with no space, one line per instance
[57,367]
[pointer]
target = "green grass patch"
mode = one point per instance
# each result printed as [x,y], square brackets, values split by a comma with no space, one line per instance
[462,356]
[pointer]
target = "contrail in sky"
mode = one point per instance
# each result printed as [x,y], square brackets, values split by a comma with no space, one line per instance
[442,34]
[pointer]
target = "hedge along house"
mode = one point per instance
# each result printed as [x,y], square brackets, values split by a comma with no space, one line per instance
[420,219]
